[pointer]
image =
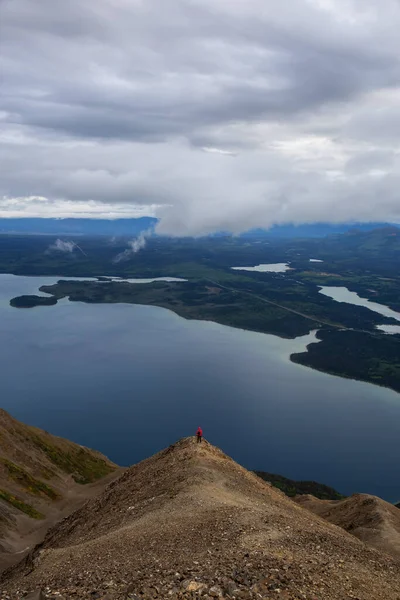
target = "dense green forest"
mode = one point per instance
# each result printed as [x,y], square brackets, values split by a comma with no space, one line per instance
[31,301]
[355,354]
[294,488]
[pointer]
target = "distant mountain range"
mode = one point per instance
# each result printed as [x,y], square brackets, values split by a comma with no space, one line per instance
[132,227]
[315,230]
[117,227]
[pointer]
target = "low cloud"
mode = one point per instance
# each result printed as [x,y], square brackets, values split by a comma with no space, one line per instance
[65,246]
[134,246]
[61,246]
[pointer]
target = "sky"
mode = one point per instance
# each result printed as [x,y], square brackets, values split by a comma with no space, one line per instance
[209,114]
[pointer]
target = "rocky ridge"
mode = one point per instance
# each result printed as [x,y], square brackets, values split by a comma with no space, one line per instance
[189,522]
[367,517]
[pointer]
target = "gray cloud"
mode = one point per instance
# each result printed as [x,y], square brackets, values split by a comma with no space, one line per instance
[108,107]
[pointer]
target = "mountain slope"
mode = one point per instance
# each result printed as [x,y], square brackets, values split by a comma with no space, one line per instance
[42,478]
[190,518]
[369,518]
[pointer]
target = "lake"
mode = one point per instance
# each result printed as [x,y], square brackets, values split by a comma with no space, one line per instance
[342,294]
[130,380]
[265,268]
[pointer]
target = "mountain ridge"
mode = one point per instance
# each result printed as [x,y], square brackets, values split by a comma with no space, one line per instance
[134,226]
[189,522]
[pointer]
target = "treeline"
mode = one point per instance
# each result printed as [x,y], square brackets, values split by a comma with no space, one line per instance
[294,488]
[368,357]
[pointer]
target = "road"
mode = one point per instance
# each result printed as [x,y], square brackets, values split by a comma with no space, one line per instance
[291,310]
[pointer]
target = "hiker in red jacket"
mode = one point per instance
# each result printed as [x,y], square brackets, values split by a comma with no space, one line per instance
[199,435]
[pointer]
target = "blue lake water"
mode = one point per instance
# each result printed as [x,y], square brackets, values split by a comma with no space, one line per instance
[130,380]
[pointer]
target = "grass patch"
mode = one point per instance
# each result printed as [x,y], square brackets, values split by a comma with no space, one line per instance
[46,473]
[84,466]
[20,505]
[29,483]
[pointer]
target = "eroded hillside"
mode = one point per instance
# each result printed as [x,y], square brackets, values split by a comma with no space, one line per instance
[369,518]
[190,522]
[42,479]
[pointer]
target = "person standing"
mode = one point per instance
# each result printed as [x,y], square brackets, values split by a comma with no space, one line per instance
[199,435]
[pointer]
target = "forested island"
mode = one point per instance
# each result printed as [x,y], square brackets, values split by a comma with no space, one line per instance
[31,301]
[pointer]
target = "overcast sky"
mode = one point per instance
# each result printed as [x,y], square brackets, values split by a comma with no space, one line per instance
[211,114]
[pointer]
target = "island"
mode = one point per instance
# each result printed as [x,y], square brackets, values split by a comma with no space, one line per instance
[31,301]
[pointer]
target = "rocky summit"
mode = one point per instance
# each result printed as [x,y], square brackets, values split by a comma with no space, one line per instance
[189,522]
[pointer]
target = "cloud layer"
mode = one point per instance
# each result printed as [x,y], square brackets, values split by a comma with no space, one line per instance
[212,114]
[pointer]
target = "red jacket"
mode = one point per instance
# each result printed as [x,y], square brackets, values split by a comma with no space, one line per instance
[199,432]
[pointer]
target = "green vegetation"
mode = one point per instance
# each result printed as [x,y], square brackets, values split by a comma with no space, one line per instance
[357,355]
[46,473]
[293,488]
[83,465]
[202,300]
[25,480]
[20,505]
[31,301]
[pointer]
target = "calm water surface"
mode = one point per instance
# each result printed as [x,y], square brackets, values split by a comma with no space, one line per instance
[342,294]
[265,268]
[129,380]
[392,329]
